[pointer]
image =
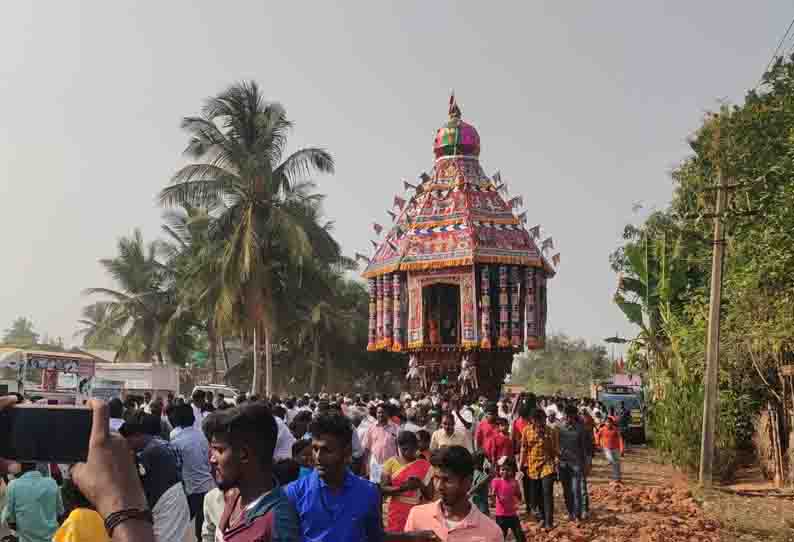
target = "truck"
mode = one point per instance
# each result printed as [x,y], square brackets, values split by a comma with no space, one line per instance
[630,398]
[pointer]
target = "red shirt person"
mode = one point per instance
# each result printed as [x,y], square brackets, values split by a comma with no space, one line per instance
[499,444]
[487,427]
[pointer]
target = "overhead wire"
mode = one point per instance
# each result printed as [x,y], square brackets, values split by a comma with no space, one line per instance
[790,49]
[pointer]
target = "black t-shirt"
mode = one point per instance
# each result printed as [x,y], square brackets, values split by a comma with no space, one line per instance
[159,468]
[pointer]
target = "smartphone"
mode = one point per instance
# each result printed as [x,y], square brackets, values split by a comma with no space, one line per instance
[45,433]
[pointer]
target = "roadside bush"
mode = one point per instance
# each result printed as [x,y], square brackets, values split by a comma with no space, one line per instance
[676,420]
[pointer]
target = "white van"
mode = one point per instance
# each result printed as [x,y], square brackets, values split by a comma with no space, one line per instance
[229,394]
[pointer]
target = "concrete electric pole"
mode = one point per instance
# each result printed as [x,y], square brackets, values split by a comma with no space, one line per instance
[711,376]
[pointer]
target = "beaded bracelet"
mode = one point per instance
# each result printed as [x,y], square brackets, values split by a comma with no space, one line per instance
[117,518]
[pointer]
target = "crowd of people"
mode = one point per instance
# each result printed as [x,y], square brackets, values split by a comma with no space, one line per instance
[321,468]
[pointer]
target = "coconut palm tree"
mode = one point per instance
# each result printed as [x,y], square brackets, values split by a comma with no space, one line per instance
[321,324]
[101,326]
[143,304]
[257,196]
[194,259]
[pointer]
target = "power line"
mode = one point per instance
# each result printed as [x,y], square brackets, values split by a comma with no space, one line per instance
[774,54]
[789,50]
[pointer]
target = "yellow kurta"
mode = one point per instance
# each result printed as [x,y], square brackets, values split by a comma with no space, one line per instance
[82,525]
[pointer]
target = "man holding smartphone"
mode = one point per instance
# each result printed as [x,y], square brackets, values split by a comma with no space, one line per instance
[109,479]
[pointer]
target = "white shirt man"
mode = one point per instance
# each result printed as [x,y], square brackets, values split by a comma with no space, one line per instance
[198,415]
[284,441]
[468,416]
[290,415]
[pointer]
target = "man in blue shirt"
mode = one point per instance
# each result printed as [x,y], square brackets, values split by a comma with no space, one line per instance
[332,503]
[34,506]
[194,451]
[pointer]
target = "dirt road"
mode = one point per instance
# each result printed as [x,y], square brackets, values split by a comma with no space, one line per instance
[652,505]
[657,503]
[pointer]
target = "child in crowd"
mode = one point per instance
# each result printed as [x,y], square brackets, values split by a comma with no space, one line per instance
[480,483]
[424,443]
[507,494]
[83,524]
[302,454]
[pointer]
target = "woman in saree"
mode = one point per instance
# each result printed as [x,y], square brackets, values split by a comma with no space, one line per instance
[406,480]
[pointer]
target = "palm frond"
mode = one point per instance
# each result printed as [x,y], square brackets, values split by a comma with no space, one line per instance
[300,165]
[199,192]
[118,296]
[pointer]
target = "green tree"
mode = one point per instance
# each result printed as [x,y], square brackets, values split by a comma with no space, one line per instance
[323,323]
[654,274]
[566,364]
[194,259]
[259,198]
[100,326]
[751,145]
[143,304]
[21,333]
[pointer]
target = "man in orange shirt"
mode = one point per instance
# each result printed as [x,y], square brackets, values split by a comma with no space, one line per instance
[453,517]
[611,441]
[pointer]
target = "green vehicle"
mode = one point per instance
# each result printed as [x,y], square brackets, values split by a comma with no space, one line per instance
[617,396]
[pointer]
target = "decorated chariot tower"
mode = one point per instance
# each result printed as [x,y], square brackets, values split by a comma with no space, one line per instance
[458,284]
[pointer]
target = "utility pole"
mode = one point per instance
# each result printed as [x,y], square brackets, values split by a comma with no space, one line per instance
[255,383]
[713,340]
[268,366]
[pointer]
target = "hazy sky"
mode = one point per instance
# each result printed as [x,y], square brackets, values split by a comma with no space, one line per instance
[583,106]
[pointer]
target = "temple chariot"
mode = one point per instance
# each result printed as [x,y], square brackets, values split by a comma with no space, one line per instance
[457,284]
